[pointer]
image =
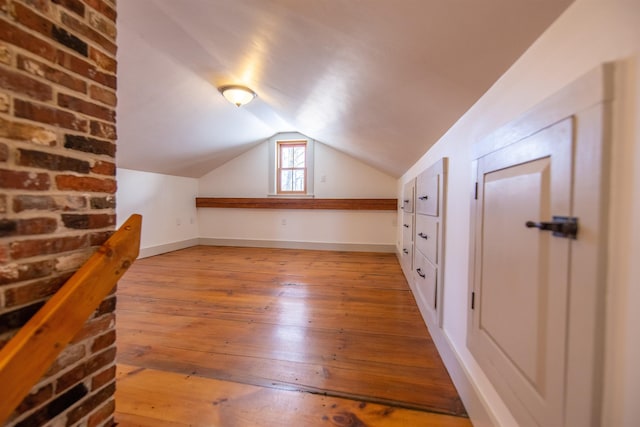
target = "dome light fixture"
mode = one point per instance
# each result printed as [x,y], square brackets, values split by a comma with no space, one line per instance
[237,94]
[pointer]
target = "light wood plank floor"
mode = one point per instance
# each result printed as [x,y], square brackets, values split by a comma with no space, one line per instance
[276,337]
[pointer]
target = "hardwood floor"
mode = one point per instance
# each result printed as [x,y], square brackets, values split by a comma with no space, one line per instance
[276,337]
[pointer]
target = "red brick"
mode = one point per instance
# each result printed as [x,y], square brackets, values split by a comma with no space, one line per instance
[85,183]
[69,356]
[32,226]
[103,341]
[4,253]
[70,378]
[24,180]
[66,39]
[41,5]
[34,291]
[6,54]
[103,8]
[101,414]
[25,85]
[89,145]
[84,68]
[101,94]
[35,399]
[5,98]
[85,107]
[95,327]
[89,404]
[28,18]
[103,130]
[49,115]
[75,6]
[97,239]
[103,25]
[24,40]
[88,32]
[12,273]
[25,202]
[54,162]
[28,248]
[86,221]
[102,378]
[108,202]
[26,132]
[107,306]
[101,360]
[3,203]
[52,74]
[4,149]
[103,61]
[41,203]
[8,227]
[104,168]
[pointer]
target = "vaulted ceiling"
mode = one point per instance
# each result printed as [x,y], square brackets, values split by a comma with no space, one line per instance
[381,80]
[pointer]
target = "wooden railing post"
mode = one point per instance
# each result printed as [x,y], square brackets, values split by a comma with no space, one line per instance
[29,354]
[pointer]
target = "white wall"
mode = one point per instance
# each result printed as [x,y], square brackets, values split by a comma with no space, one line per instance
[588,33]
[167,206]
[336,176]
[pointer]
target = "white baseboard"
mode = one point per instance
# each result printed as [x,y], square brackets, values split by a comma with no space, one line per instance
[473,403]
[168,247]
[350,247]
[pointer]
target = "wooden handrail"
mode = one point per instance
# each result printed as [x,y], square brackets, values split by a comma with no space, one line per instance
[29,354]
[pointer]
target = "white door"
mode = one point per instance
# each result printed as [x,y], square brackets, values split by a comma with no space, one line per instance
[521,276]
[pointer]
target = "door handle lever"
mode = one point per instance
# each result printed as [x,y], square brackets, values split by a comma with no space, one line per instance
[561,226]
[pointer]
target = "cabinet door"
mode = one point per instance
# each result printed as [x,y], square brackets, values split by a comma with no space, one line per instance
[426,237]
[408,196]
[425,279]
[521,275]
[427,192]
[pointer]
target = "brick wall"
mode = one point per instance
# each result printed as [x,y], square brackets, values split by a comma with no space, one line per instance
[57,185]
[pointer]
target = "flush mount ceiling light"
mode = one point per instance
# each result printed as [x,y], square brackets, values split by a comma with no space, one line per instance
[236,94]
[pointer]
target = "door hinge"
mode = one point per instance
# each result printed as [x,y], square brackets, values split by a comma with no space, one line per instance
[473,300]
[476,191]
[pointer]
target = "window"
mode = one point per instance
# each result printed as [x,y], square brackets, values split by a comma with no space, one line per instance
[275,164]
[292,167]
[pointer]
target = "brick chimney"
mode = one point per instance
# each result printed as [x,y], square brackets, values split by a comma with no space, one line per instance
[57,186]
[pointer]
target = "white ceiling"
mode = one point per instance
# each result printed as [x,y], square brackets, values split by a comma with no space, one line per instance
[381,80]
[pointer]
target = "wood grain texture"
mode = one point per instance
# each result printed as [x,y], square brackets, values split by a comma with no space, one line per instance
[28,355]
[340,324]
[297,203]
[152,398]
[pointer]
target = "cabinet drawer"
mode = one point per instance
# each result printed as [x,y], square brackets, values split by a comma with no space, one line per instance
[426,236]
[406,258]
[425,280]
[407,228]
[427,193]
[408,196]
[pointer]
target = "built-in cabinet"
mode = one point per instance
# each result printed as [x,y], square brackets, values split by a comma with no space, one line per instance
[422,256]
[408,220]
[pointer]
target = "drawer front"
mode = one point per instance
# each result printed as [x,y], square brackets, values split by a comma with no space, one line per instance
[427,194]
[426,237]
[406,258]
[408,196]
[425,280]
[407,228]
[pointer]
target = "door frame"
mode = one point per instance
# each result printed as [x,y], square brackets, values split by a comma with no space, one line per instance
[588,101]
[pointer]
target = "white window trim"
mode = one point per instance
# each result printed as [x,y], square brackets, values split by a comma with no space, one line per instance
[273,163]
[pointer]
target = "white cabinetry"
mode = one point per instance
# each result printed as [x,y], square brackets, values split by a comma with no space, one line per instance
[427,273]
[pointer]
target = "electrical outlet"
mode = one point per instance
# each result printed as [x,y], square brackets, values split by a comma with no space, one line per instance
[283,222]
[178,222]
